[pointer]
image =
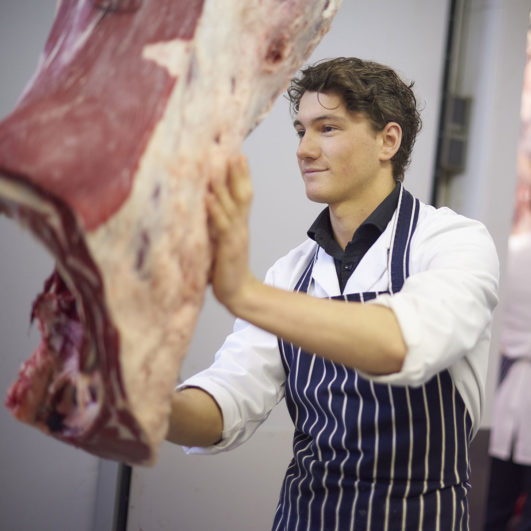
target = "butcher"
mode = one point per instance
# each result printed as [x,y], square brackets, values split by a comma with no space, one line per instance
[375,329]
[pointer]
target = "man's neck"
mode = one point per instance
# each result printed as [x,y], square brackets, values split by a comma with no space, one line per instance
[346,217]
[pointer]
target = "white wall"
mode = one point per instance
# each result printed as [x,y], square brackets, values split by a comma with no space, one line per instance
[44,484]
[238,490]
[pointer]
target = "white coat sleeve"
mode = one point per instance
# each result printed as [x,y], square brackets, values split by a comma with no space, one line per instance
[446,305]
[247,379]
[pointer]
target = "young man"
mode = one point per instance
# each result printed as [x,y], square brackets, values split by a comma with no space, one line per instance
[375,329]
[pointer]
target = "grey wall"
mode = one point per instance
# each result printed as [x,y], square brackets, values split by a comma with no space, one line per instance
[44,484]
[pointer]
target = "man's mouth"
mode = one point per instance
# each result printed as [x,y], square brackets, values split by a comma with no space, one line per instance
[308,172]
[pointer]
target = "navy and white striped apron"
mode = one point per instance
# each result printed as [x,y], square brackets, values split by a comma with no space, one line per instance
[372,456]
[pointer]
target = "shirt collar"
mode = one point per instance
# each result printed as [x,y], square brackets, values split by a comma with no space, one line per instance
[321,229]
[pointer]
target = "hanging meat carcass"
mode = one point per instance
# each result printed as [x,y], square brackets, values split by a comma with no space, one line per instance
[135,106]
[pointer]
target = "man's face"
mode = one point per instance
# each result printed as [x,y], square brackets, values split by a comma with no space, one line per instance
[339,152]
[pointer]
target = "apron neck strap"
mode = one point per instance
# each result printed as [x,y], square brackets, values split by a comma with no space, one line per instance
[405,223]
[398,255]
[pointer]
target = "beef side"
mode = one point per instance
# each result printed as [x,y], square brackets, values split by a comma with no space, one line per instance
[136,105]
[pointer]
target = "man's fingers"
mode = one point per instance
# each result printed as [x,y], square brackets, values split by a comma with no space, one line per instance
[240,181]
[230,197]
[217,213]
[221,193]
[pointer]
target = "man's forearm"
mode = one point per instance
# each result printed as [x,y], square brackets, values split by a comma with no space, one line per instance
[361,336]
[195,419]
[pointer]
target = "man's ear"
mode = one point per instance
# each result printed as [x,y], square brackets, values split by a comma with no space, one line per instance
[391,136]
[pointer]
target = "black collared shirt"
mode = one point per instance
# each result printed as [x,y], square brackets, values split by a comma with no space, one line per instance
[367,233]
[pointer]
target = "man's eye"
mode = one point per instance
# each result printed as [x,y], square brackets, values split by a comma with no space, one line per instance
[300,133]
[328,129]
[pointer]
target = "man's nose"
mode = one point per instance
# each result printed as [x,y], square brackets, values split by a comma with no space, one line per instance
[308,147]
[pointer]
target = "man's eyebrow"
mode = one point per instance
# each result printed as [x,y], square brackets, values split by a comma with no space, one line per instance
[322,118]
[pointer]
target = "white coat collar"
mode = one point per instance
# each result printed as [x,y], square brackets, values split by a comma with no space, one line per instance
[370,275]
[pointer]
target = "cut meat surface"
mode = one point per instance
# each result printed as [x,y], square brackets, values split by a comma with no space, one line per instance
[135,106]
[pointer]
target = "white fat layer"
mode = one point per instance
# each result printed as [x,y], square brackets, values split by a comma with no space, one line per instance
[24,196]
[169,55]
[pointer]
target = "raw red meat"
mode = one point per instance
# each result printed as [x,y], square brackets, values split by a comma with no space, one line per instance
[135,106]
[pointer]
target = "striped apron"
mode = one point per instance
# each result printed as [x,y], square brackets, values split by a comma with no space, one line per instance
[372,456]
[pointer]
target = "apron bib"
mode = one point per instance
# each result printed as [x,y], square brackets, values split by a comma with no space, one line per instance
[372,456]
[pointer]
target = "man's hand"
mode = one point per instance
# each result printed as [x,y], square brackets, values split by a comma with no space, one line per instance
[228,203]
[363,336]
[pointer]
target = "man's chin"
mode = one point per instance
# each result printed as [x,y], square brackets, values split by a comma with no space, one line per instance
[317,200]
[315,194]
